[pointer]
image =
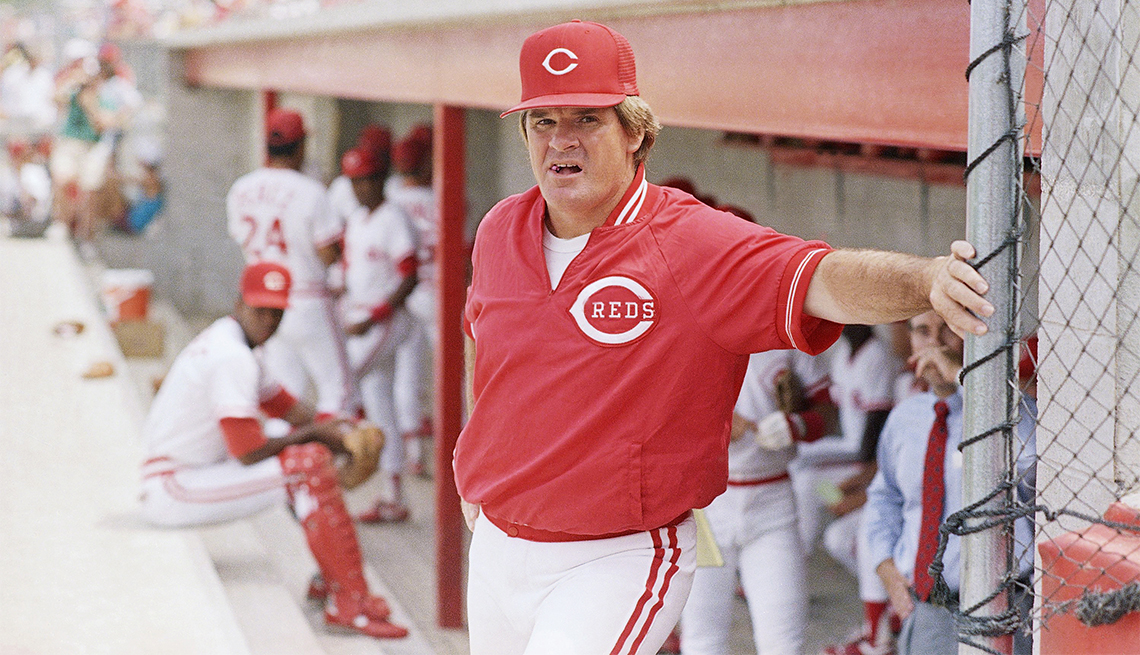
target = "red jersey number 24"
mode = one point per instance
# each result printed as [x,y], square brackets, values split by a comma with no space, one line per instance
[258,244]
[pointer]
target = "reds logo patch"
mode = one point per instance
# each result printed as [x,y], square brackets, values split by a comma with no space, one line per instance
[614,310]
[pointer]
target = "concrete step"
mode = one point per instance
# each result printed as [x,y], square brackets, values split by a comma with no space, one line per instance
[295,565]
[266,608]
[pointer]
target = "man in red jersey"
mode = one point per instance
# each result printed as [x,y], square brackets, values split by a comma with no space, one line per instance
[611,322]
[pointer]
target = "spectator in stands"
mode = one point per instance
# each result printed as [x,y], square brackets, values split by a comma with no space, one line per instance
[144,195]
[26,93]
[79,158]
[118,93]
[25,187]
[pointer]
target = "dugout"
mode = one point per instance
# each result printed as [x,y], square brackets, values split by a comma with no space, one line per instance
[829,119]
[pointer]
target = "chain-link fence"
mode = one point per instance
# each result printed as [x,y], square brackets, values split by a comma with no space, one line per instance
[1054,209]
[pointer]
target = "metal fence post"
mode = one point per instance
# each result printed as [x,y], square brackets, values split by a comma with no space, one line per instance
[996,76]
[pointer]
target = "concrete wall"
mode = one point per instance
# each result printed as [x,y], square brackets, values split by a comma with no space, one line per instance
[848,210]
[208,143]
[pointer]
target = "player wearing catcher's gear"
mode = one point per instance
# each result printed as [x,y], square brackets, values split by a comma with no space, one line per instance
[278,214]
[610,323]
[209,461]
[414,195]
[754,520]
[379,275]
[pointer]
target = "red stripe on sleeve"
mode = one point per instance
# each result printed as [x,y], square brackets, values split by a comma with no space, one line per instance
[279,404]
[798,330]
[814,426]
[243,435]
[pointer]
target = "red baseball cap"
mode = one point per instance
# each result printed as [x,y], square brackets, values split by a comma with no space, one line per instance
[375,137]
[359,162]
[266,284]
[283,127]
[411,153]
[575,64]
[421,132]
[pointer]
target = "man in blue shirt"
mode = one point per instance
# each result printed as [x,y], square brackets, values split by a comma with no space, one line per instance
[901,523]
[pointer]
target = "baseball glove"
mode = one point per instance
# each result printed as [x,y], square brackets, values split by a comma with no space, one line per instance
[364,443]
[790,398]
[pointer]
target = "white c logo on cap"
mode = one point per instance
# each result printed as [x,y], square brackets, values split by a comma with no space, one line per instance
[274,281]
[571,55]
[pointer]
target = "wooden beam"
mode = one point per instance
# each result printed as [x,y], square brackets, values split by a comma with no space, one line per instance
[865,71]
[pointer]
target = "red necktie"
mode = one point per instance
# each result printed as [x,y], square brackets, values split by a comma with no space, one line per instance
[933,497]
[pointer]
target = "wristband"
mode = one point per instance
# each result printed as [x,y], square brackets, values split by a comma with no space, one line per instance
[807,426]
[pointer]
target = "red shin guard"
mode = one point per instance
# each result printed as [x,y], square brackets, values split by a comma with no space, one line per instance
[319,506]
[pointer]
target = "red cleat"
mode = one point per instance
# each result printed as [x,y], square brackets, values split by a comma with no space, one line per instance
[385,512]
[367,615]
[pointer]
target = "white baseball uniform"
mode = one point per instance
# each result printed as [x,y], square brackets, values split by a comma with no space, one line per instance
[861,382]
[342,202]
[412,358]
[189,476]
[280,215]
[379,253]
[754,522]
[192,474]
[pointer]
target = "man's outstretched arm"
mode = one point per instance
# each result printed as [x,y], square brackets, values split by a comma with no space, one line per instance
[869,287]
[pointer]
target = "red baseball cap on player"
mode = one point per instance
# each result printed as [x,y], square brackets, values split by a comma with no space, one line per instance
[359,162]
[413,151]
[283,127]
[266,284]
[575,64]
[375,137]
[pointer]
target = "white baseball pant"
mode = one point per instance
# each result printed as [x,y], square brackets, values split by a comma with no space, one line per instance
[755,527]
[411,361]
[846,541]
[176,497]
[621,595]
[373,359]
[810,506]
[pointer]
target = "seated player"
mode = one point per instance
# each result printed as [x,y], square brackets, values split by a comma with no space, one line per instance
[208,459]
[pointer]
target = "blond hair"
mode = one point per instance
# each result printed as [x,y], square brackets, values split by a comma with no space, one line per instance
[636,117]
